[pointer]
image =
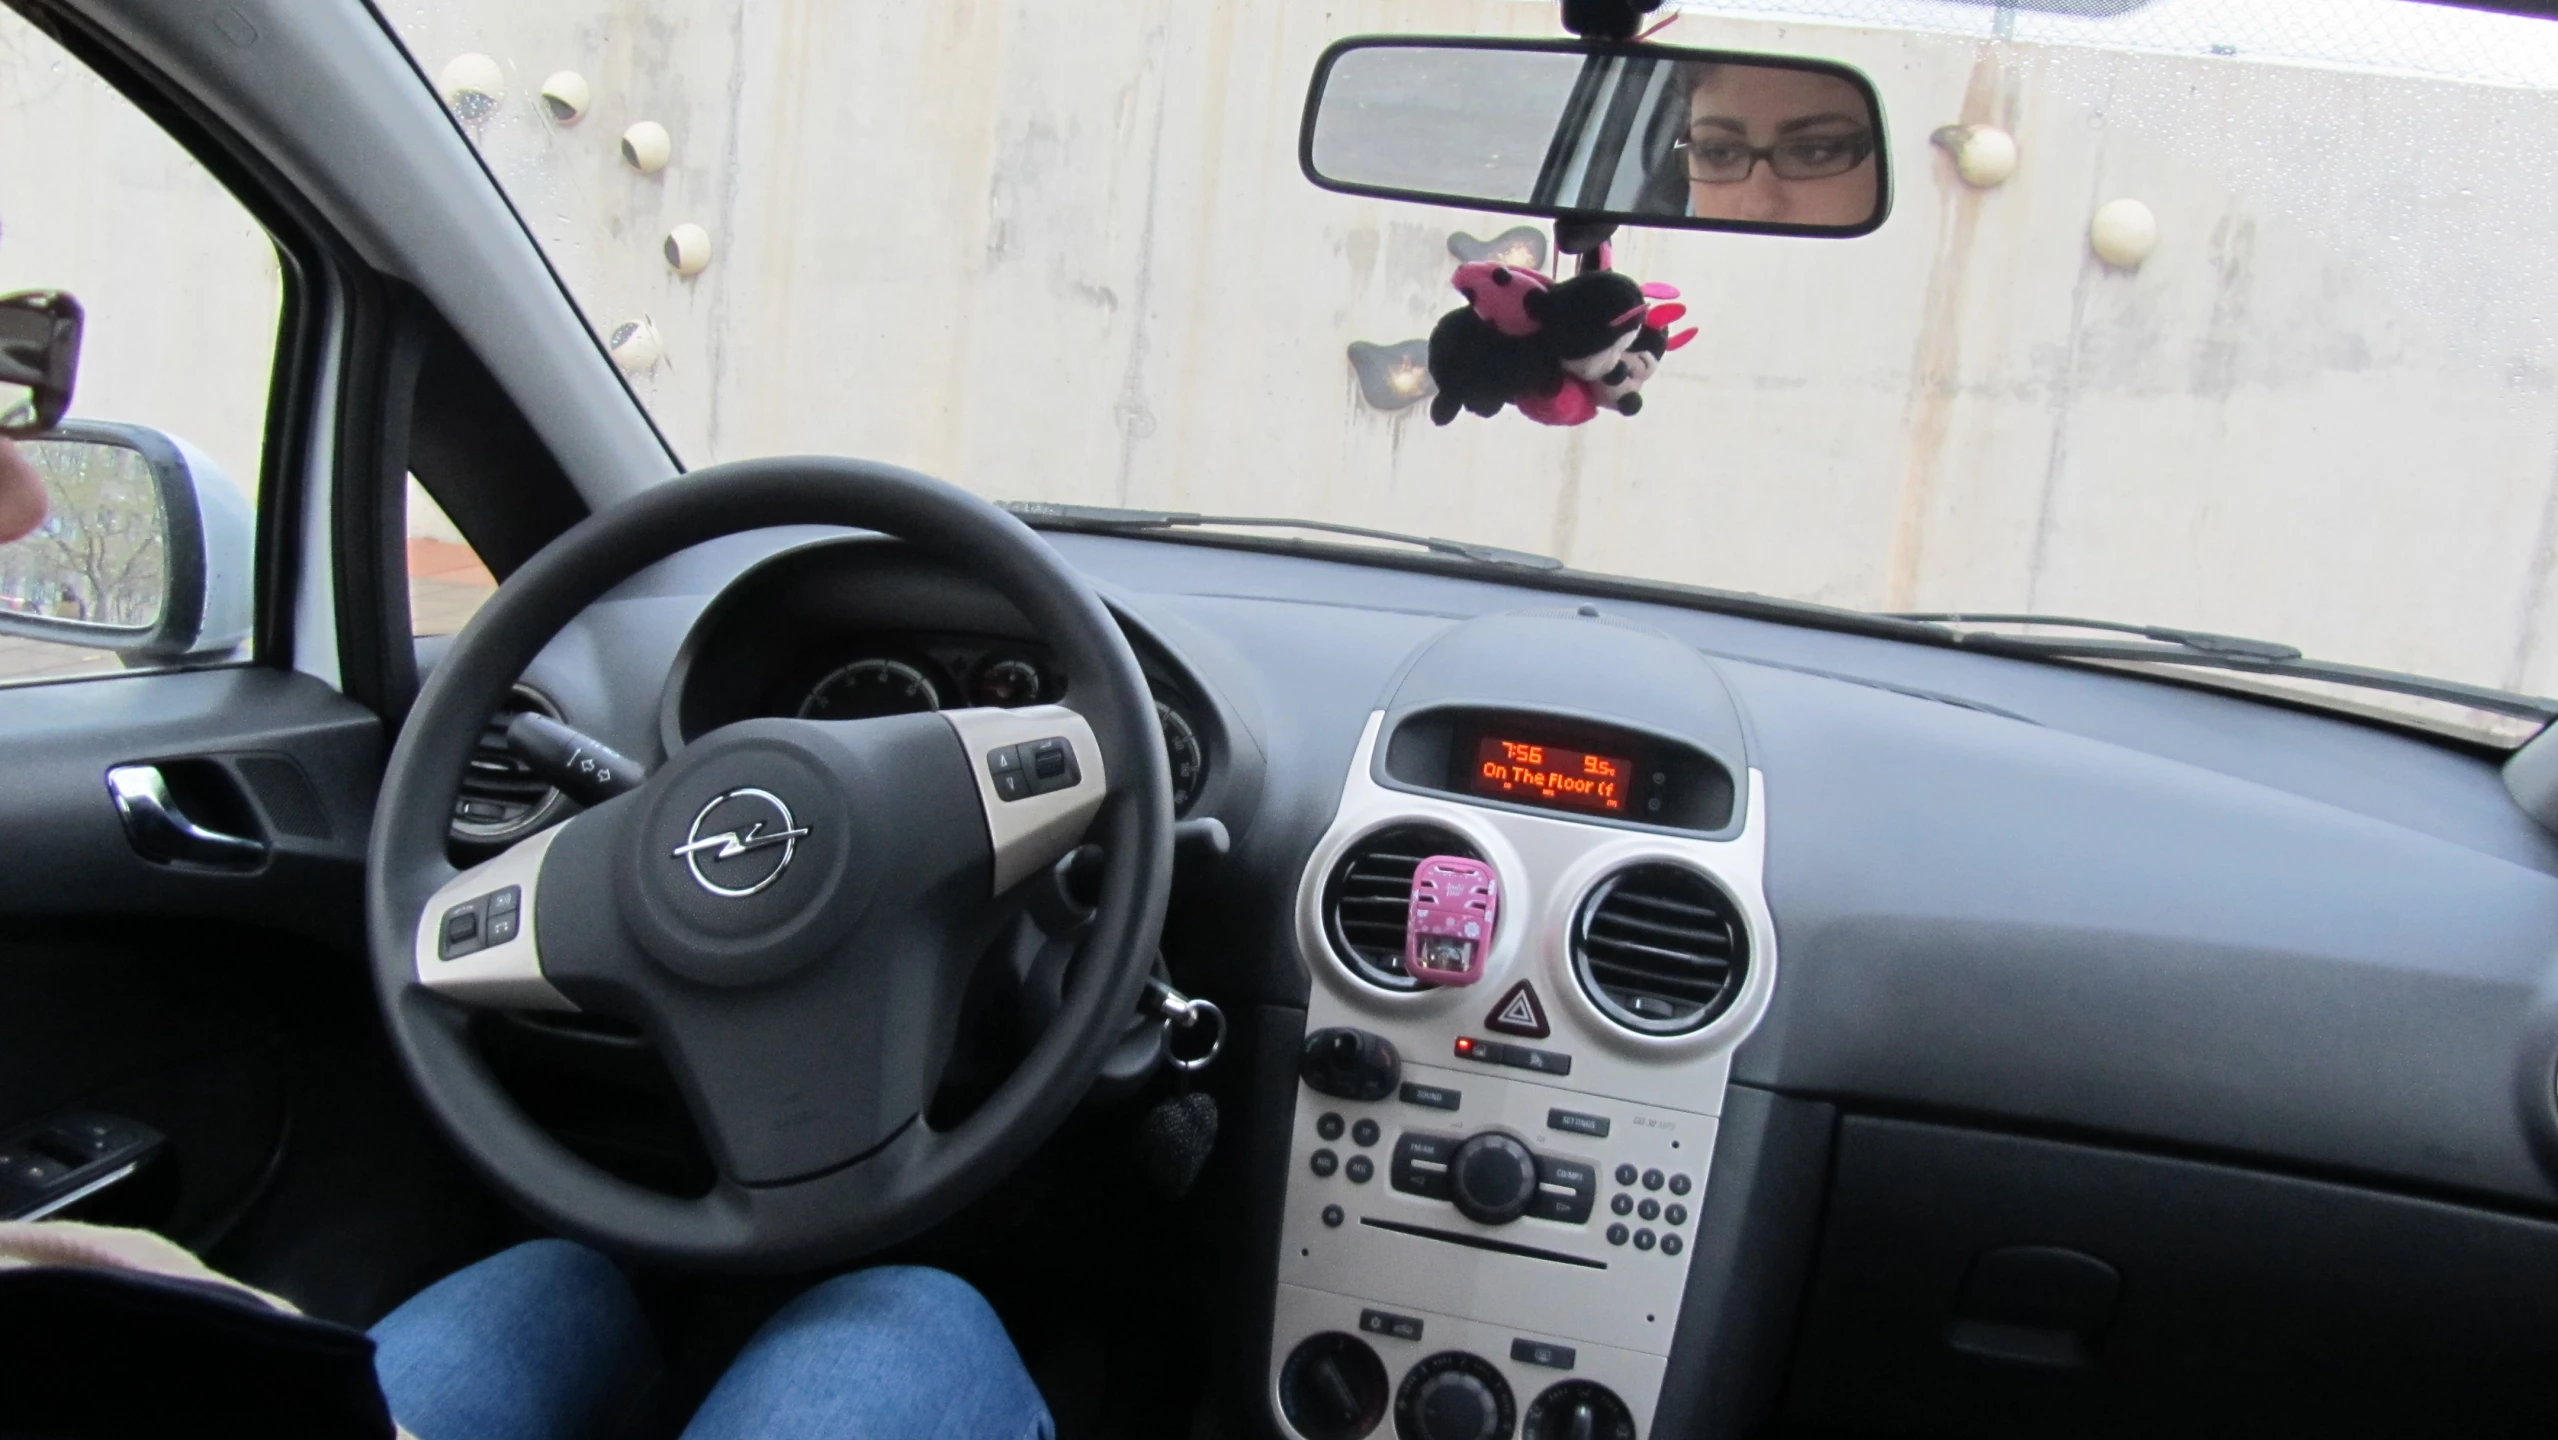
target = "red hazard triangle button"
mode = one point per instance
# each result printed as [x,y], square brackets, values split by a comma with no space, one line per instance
[1519,1013]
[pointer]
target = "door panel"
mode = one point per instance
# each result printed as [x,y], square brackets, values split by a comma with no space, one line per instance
[231,1010]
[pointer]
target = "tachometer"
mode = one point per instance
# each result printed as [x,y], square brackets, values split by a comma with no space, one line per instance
[1189,761]
[867,689]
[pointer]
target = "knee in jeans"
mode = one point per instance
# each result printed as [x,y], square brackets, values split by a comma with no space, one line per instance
[913,1295]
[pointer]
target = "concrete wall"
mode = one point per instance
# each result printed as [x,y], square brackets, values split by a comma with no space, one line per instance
[1063,252]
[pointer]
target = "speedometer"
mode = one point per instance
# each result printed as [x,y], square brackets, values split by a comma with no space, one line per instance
[1181,748]
[867,689]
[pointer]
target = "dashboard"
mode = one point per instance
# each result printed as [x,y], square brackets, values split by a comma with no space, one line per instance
[1867,1037]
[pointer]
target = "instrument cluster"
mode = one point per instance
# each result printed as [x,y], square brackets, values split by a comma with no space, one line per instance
[904,674]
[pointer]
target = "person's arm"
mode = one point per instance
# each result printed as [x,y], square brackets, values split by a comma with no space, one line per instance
[22,500]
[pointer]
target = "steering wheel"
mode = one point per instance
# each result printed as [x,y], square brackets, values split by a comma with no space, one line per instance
[788,909]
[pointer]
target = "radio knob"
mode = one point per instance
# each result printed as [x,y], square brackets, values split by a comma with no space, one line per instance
[1492,1177]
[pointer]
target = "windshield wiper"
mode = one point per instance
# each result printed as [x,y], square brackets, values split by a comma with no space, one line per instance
[1111,517]
[2166,645]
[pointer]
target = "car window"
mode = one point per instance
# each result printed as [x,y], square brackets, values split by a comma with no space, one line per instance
[183,292]
[1066,254]
[447,581]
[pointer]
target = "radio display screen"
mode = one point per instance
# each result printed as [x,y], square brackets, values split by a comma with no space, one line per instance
[1550,775]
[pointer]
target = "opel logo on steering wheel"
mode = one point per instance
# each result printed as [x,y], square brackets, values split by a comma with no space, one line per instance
[741,842]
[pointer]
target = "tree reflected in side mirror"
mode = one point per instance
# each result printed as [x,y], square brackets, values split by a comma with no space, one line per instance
[146,554]
[101,556]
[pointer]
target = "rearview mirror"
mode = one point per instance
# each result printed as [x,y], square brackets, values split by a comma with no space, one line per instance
[147,551]
[1596,132]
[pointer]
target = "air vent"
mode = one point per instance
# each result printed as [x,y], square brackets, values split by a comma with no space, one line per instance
[1660,948]
[501,798]
[1367,901]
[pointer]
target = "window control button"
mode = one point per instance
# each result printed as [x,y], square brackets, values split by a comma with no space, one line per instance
[31,1170]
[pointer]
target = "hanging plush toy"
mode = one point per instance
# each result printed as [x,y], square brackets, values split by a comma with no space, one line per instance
[1559,350]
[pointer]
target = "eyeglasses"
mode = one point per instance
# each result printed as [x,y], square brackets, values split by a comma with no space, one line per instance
[39,358]
[1719,159]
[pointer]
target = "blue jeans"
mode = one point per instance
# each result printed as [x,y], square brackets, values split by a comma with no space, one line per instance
[546,1342]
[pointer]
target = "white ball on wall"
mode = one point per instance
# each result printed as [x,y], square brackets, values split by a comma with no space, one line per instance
[472,84]
[636,346]
[688,249]
[2123,234]
[1984,155]
[565,97]
[646,147]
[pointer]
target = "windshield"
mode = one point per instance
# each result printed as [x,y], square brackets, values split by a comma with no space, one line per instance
[1065,254]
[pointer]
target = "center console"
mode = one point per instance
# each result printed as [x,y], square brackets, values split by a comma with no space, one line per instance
[1493,1188]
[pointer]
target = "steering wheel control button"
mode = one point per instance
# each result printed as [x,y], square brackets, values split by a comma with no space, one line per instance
[1493,1178]
[1003,760]
[1012,785]
[1398,1327]
[1349,1064]
[1576,1123]
[1651,1179]
[1051,765]
[1642,1239]
[1672,1244]
[1328,1125]
[1454,1396]
[481,922]
[1323,1163]
[1677,1214]
[1359,1169]
[461,931]
[1364,1133]
[1421,1165]
[1616,1234]
[1436,1097]
[1332,1217]
[1626,1174]
[1542,1352]
[1679,1184]
[1518,1012]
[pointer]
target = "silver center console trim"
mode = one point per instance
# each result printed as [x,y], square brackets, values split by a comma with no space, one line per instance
[1615,1305]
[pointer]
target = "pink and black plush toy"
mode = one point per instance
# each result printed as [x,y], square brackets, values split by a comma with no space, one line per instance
[1560,351]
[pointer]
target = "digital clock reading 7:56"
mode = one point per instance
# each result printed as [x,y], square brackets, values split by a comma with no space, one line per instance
[1550,775]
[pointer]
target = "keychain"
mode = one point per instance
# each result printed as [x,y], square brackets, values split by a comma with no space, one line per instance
[1179,1131]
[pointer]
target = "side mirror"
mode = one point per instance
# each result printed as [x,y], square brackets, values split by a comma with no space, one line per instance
[148,550]
[1598,132]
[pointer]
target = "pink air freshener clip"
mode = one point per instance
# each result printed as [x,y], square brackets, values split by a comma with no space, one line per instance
[1454,904]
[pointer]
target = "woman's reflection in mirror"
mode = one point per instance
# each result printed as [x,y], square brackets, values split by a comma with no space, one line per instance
[1767,144]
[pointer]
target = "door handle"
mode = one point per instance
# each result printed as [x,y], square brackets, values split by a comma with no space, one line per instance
[161,831]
